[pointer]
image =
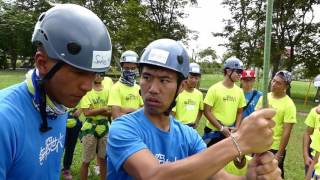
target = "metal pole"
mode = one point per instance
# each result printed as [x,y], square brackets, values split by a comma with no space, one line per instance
[266,58]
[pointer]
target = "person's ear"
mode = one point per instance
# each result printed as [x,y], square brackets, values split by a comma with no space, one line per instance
[42,62]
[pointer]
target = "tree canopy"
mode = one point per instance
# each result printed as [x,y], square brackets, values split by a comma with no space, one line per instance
[132,24]
[294,34]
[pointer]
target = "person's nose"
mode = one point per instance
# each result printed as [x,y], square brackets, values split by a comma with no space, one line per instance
[87,82]
[154,87]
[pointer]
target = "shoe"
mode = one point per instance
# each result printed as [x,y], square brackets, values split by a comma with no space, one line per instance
[97,170]
[66,174]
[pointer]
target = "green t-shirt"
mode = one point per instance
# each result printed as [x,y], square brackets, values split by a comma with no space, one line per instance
[188,105]
[125,96]
[225,103]
[232,169]
[285,113]
[96,99]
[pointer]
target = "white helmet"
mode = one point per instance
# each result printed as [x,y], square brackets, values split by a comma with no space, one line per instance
[194,68]
[129,57]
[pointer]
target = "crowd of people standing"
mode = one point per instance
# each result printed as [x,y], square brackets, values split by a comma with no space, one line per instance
[144,131]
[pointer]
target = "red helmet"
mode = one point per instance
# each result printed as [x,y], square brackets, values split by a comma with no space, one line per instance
[248,74]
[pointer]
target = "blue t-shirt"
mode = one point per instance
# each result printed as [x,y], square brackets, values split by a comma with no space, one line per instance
[25,152]
[133,132]
[252,104]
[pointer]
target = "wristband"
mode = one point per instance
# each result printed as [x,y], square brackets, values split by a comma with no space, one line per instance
[236,144]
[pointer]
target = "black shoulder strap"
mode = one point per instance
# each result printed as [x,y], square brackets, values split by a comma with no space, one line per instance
[253,95]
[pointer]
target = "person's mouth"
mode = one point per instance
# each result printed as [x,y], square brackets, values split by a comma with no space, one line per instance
[151,101]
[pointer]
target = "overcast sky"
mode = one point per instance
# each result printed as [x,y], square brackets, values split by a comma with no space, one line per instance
[207,18]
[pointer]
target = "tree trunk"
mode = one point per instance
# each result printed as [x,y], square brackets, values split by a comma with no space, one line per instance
[14,57]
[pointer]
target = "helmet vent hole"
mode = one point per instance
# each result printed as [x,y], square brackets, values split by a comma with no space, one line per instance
[74,48]
[42,16]
[180,59]
[45,36]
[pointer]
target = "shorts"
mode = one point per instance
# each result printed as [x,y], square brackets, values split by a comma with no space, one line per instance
[93,146]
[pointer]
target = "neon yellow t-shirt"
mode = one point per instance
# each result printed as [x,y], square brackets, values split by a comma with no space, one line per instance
[188,105]
[313,121]
[313,118]
[125,96]
[315,145]
[107,83]
[96,99]
[285,113]
[225,103]
[232,169]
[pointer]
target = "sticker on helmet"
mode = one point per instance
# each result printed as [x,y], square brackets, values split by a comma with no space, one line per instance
[130,59]
[158,55]
[101,59]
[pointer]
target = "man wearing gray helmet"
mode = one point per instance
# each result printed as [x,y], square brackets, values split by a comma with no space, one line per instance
[33,113]
[151,144]
[285,117]
[189,102]
[223,103]
[124,94]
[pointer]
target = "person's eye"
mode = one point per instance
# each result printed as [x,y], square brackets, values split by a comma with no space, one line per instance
[165,80]
[145,77]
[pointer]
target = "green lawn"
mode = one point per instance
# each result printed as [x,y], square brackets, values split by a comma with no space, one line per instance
[10,77]
[294,167]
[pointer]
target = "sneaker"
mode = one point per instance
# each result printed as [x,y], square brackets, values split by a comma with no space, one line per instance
[66,174]
[97,170]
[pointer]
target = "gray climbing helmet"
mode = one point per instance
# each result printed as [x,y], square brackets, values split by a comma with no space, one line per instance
[167,53]
[74,35]
[233,63]
[286,75]
[194,68]
[129,57]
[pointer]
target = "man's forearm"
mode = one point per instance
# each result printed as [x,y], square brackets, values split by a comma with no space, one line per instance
[95,112]
[285,138]
[213,120]
[203,165]
[198,117]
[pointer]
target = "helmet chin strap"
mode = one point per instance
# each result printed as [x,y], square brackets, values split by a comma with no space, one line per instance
[43,102]
[173,103]
[231,75]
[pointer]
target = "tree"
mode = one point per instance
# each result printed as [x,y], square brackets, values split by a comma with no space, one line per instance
[132,24]
[291,27]
[208,54]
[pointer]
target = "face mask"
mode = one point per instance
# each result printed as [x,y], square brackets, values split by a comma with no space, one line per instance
[128,77]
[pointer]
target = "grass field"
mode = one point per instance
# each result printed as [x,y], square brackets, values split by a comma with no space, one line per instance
[294,168]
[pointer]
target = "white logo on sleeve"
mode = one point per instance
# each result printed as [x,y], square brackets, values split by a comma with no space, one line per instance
[51,144]
[101,59]
[162,158]
[158,55]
